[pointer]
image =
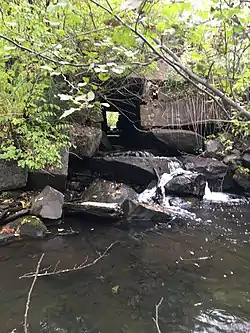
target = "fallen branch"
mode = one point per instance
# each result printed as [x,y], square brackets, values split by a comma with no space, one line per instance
[55,271]
[156,318]
[25,324]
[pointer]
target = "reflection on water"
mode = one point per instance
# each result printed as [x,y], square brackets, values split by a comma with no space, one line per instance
[201,269]
[217,320]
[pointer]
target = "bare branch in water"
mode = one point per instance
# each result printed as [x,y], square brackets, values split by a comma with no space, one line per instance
[55,271]
[25,324]
[156,318]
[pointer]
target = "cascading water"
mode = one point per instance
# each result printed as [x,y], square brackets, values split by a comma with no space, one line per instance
[215,196]
[149,195]
[221,197]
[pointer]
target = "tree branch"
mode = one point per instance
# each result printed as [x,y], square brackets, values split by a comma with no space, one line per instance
[55,271]
[156,318]
[24,48]
[25,324]
[176,64]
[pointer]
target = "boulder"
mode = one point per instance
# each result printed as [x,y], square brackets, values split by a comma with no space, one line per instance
[102,198]
[108,192]
[48,204]
[210,167]
[246,159]
[100,209]
[133,169]
[186,184]
[213,148]
[135,210]
[12,176]
[85,140]
[233,160]
[26,226]
[242,178]
[54,177]
[169,140]
[216,172]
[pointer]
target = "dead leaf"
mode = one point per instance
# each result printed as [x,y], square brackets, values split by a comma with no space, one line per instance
[115,289]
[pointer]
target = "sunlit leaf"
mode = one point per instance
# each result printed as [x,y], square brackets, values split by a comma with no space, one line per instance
[90,96]
[68,112]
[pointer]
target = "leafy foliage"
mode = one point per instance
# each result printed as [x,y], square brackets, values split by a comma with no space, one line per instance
[76,46]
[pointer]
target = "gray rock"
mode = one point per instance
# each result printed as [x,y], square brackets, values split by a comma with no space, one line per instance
[210,167]
[54,177]
[213,148]
[133,169]
[108,192]
[233,160]
[242,178]
[112,211]
[86,140]
[12,176]
[188,183]
[246,159]
[134,210]
[27,226]
[216,172]
[177,141]
[102,198]
[48,204]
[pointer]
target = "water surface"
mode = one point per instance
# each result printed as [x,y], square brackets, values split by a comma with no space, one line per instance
[201,270]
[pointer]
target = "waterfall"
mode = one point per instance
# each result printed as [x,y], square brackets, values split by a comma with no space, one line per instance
[149,195]
[215,196]
[221,197]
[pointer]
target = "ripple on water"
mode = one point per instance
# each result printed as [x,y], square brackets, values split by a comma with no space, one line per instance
[218,321]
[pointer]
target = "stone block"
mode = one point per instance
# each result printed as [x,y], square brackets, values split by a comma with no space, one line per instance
[12,176]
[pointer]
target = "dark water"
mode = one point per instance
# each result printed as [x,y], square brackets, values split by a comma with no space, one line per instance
[202,271]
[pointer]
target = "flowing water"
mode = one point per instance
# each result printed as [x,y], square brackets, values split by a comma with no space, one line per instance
[201,270]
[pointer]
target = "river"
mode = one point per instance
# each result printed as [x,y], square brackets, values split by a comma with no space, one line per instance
[201,270]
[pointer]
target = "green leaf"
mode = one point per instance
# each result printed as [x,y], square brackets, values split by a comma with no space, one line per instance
[90,96]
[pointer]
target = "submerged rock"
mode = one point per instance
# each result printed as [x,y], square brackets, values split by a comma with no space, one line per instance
[186,184]
[141,211]
[26,226]
[48,204]
[133,169]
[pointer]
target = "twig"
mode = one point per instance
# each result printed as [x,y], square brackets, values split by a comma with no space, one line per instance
[56,271]
[172,60]
[24,48]
[156,318]
[25,325]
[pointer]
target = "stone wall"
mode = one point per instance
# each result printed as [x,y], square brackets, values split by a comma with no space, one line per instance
[159,110]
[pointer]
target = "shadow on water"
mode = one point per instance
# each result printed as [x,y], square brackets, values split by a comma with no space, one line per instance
[202,271]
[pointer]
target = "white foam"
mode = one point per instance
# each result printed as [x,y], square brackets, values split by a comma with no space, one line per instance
[149,194]
[215,196]
[220,196]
